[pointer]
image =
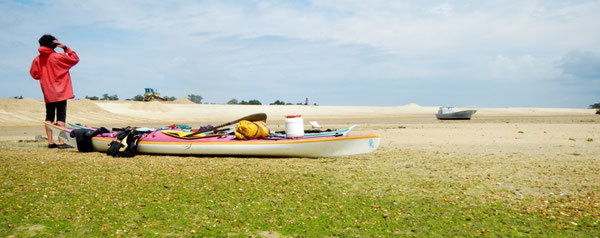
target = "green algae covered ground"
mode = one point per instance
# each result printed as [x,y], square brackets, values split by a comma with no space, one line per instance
[391,192]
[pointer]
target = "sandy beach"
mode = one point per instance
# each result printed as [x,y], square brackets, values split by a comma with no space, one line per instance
[533,169]
[541,131]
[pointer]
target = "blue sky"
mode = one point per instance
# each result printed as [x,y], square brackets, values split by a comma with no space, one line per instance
[354,52]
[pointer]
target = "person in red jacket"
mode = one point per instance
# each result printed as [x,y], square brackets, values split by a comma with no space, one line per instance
[52,70]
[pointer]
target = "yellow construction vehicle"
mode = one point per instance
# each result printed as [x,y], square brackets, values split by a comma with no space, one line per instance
[152,95]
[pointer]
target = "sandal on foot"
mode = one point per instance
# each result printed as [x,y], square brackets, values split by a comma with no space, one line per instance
[53,145]
[64,146]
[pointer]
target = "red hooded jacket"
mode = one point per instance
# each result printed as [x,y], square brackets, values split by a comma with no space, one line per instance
[52,69]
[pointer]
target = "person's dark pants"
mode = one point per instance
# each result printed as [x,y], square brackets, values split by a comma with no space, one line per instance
[56,109]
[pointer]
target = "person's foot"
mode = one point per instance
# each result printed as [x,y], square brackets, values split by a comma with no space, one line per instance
[52,146]
[64,146]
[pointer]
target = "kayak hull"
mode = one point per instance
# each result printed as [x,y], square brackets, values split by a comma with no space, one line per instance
[158,143]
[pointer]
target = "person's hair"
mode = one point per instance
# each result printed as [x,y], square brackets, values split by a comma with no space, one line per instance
[48,41]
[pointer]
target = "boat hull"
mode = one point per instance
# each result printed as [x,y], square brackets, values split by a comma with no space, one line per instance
[461,115]
[158,143]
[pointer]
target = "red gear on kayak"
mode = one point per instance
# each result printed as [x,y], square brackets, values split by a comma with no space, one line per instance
[52,69]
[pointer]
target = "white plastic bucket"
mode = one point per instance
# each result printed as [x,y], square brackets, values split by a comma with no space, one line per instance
[294,126]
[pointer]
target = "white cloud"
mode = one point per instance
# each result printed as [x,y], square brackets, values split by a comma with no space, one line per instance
[397,27]
[443,9]
[380,41]
[525,67]
[583,65]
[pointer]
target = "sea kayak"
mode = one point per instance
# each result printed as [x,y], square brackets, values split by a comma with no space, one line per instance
[157,142]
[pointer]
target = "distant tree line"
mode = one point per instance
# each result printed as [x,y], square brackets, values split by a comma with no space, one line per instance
[198,99]
[114,97]
[256,102]
[278,102]
[195,98]
[18,97]
[250,102]
[595,106]
[138,97]
[105,97]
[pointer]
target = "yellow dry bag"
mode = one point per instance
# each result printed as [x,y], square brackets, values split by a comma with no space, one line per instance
[246,130]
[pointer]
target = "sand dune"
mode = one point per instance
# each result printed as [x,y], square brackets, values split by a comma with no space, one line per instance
[28,112]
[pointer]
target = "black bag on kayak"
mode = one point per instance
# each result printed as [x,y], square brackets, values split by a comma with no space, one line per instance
[126,143]
[83,137]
